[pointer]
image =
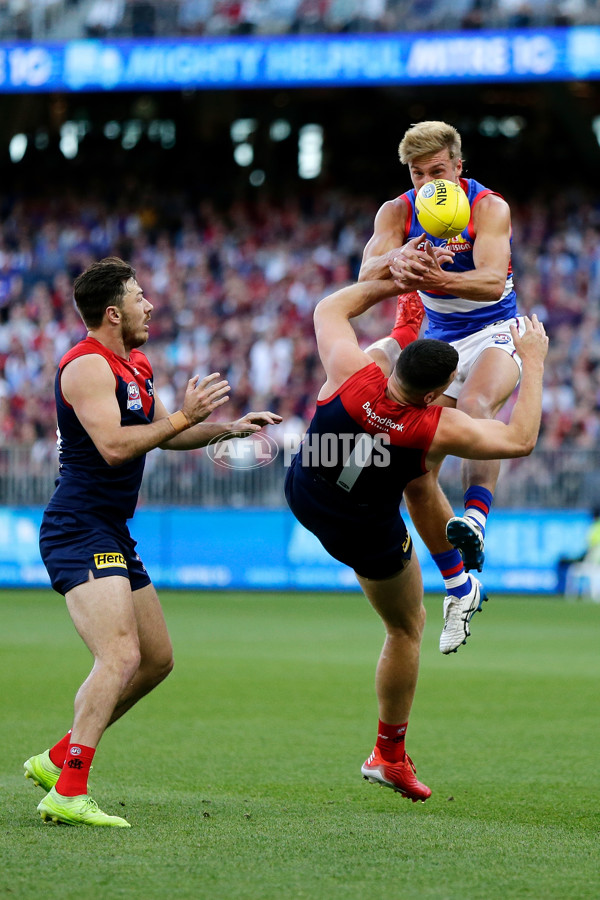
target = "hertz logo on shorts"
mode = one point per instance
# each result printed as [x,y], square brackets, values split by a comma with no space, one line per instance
[109,560]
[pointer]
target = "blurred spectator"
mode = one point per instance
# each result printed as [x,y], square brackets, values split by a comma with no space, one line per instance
[141,17]
[194,15]
[103,18]
[24,19]
[310,16]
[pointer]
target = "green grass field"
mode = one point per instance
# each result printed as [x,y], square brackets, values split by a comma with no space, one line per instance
[241,773]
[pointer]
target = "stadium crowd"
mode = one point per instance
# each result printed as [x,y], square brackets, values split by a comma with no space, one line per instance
[234,290]
[65,19]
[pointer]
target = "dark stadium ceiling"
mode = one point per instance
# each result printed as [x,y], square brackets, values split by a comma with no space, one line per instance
[516,137]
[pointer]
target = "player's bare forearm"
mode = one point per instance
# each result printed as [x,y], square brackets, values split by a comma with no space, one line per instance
[524,423]
[414,258]
[377,268]
[532,347]
[204,433]
[130,442]
[481,285]
[352,301]
[197,436]
[420,268]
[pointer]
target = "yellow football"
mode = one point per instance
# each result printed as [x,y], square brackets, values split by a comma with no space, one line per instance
[443,209]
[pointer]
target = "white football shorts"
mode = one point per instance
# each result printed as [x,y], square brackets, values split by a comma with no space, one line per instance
[470,348]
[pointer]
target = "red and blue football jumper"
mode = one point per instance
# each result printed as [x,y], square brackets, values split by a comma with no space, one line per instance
[84,527]
[346,481]
[450,317]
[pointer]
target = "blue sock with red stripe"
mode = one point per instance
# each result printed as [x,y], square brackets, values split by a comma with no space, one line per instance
[478,501]
[456,580]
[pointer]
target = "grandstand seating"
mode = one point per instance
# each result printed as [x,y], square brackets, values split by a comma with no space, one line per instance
[69,19]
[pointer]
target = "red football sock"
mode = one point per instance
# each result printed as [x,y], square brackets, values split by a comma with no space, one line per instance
[405,334]
[72,781]
[390,741]
[59,751]
[409,316]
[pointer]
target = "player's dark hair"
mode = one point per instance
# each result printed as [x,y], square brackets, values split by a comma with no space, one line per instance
[426,364]
[101,285]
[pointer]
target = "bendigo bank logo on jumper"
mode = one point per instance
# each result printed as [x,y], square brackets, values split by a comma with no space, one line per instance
[109,560]
[382,421]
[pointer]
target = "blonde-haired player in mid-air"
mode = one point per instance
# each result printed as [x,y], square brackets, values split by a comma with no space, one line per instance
[470,302]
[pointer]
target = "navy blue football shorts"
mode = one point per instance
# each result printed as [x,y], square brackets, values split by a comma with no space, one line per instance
[73,544]
[375,544]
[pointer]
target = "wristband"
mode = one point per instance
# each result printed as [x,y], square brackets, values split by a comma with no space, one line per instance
[179,421]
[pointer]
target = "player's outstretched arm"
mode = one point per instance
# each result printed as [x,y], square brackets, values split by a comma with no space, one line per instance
[460,435]
[202,434]
[88,385]
[388,243]
[336,339]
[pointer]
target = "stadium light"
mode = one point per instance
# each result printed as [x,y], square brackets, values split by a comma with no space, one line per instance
[310,151]
[112,130]
[162,130]
[279,130]
[41,139]
[17,147]
[132,132]
[243,154]
[241,130]
[69,140]
[509,126]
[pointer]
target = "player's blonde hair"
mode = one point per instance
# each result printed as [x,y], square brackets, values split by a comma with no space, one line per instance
[426,138]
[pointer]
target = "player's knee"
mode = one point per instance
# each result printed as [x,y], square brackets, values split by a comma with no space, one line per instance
[408,624]
[124,662]
[478,406]
[418,490]
[163,667]
[158,667]
[424,492]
